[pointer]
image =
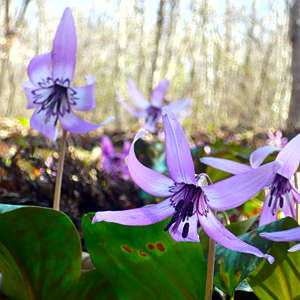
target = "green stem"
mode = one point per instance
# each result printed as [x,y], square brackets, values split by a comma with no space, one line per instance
[60,170]
[210,269]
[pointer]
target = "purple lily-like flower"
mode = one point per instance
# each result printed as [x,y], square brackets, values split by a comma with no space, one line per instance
[282,193]
[189,202]
[152,111]
[289,235]
[48,89]
[112,162]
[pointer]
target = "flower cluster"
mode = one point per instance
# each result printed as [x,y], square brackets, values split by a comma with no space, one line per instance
[190,199]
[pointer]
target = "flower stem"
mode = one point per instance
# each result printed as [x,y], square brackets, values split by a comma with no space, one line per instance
[60,170]
[210,269]
[297,204]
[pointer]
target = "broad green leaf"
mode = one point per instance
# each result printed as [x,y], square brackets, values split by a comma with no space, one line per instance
[143,262]
[281,279]
[40,253]
[231,267]
[92,286]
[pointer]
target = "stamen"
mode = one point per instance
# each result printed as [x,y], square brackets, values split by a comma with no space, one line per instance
[179,205]
[190,209]
[270,200]
[185,230]
[281,201]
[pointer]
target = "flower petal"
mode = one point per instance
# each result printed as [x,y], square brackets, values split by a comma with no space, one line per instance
[178,154]
[192,236]
[258,156]
[290,156]
[216,230]
[39,69]
[236,190]
[136,113]
[289,235]
[64,48]
[136,96]
[289,207]
[294,248]
[177,107]
[83,98]
[267,216]
[38,122]
[107,146]
[137,216]
[158,93]
[150,181]
[225,165]
[72,123]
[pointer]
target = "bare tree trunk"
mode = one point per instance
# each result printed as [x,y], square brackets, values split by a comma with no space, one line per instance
[9,36]
[116,71]
[294,109]
[171,29]
[140,10]
[159,27]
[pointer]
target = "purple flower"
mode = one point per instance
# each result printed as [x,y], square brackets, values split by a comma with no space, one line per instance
[289,235]
[282,193]
[48,89]
[189,202]
[112,162]
[276,139]
[152,111]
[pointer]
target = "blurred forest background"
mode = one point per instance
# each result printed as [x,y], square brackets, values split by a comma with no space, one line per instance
[232,57]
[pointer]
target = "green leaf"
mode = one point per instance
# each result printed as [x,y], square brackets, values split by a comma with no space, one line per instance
[92,286]
[40,253]
[231,267]
[143,262]
[281,279]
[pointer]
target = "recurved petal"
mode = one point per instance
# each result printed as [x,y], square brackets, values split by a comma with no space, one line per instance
[267,215]
[136,96]
[158,93]
[30,97]
[83,98]
[39,70]
[289,207]
[225,165]
[72,123]
[290,156]
[107,146]
[64,48]
[137,216]
[294,248]
[43,124]
[178,106]
[136,113]
[178,154]
[214,229]
[236,190]
[192,236]
[150,181]
[283,236]
[258,156]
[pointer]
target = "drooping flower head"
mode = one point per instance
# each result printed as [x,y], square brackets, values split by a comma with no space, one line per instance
[282,192]
[49,88]
[153,110]
[113,162]
[189,201]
